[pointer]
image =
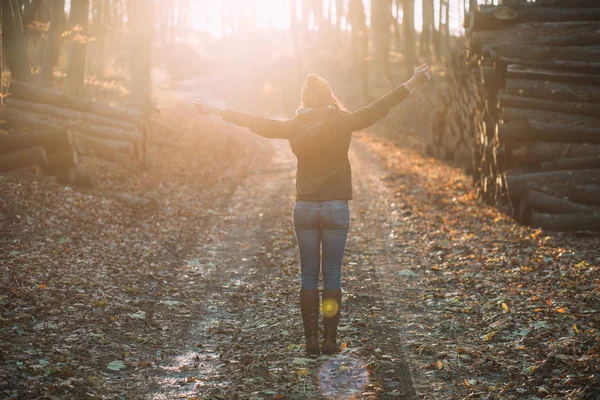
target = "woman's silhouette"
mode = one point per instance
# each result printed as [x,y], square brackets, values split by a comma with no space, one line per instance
[320,137]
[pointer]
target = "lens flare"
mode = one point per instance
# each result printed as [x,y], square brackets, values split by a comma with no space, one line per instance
[330,307]
[343,378]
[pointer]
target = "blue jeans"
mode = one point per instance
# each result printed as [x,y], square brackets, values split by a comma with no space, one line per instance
[323,224]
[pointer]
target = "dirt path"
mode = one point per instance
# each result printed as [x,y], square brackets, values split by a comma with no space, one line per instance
[247,339]
[415,319]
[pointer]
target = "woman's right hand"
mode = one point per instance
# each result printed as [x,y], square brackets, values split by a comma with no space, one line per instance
[207,107]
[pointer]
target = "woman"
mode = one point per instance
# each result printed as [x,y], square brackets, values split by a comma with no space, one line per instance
[320,137]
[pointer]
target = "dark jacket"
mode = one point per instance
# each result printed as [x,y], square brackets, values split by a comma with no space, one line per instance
[320,140]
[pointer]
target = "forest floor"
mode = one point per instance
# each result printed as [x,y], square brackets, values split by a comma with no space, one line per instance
[192,293]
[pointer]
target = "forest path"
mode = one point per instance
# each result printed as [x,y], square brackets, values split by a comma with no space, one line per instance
[247,340]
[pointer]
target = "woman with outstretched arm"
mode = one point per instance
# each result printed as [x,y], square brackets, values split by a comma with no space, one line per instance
[320,137]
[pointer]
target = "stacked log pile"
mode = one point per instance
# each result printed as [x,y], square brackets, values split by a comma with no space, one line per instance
[454,119]
[537,128]
[50,129]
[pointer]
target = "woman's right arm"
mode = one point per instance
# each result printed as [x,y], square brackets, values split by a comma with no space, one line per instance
[265,127]
[371,113]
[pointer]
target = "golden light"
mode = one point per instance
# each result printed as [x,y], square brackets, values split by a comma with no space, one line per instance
[330,307]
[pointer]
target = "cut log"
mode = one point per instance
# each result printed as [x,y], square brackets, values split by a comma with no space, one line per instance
[61,159]
[581,193]
[99,131]
[65,113]
[572,58]
[519,71]
[556,91]
[19,119]
[523,132]
[591,109]
[547,203]
[23,91]
[490,18]
[572,163]
[512,114]
[84,178]
[566,222]
[517,182]
[64,176]
[560,4]
[22,158]
[542,14]
[30,173]
[536,153]
[51,140]
[32,169]
[122,153]
[540,34]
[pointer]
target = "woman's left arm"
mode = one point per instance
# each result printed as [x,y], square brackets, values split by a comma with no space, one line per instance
[265,127]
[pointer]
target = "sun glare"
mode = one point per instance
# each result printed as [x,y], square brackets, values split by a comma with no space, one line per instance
[226,16]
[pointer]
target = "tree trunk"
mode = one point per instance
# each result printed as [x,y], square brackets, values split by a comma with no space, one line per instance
[408,29]
[29,12]
[78,24]
[22,158]
[53,42]
[96,59]
[428,28]
[556,91]
[13,41]
[142,19]
[381,18]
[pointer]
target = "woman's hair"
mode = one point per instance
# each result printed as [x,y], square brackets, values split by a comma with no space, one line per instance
[317,93]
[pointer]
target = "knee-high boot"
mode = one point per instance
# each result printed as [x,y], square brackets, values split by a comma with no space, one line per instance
[331,305]
[309,305]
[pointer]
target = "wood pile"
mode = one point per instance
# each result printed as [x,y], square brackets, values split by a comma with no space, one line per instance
[537,129]
[51,129]
[454,121]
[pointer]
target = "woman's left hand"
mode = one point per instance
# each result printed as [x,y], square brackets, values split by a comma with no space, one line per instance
[422,74]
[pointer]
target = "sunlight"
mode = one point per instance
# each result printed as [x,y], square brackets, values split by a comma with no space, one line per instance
[226,16]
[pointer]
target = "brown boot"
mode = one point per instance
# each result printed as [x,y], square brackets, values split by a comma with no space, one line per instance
[331,305]
[309,305]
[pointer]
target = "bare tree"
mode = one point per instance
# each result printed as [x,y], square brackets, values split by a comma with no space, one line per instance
[78,25]
[381,19]
[428,29]
[408,28]
[13,41]
[53,42]
[358,21]
[141,15]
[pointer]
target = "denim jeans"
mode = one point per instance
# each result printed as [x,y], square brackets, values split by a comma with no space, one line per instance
[321,225]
